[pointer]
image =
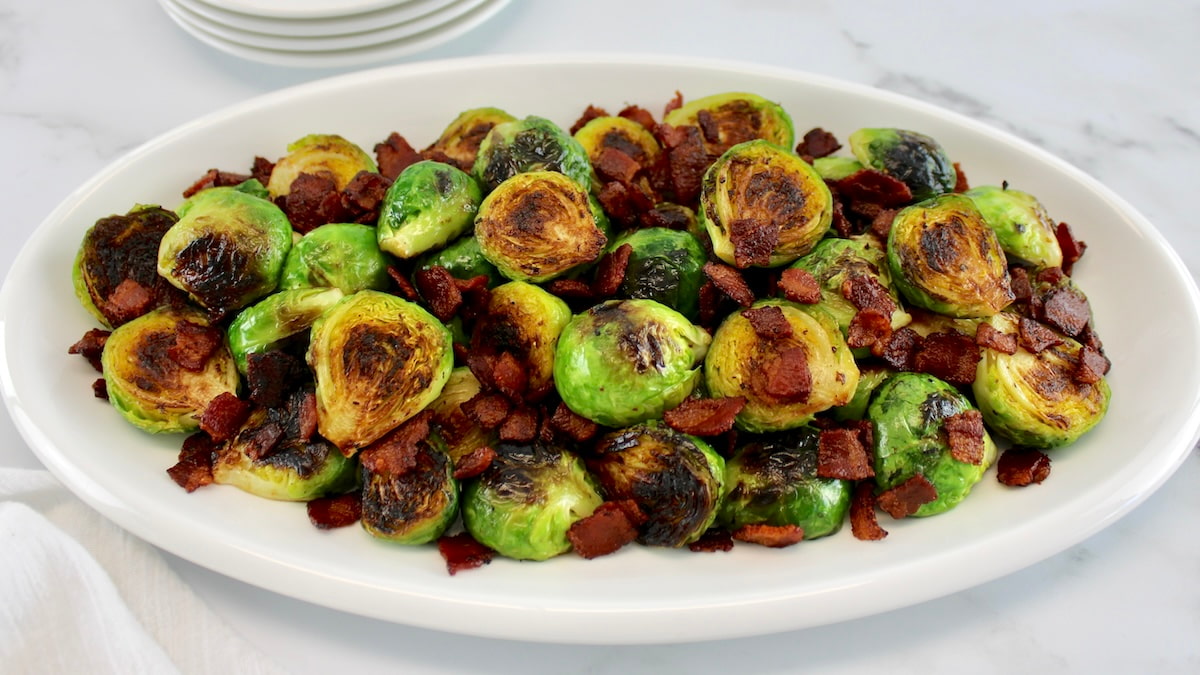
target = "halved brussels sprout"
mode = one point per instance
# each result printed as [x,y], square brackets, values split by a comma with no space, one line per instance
[910,157]
[227,250]
[763,206]
[378,360]
[342,255]
[676,479]
[414,507]
[869,379]
[463,259]
[429,205]
[1033,399]
[278,316]
[666,266]
[526,321]
[945,258]
[118,248]
[735,117]
[740,363]
[908,415]
[539,225]
[522,505]
[772,479]
[324,154]
[619,133]
[1024,228]
[836,168]
[530,144]
[460,433]
[146,382]
[624,361]
[460,140]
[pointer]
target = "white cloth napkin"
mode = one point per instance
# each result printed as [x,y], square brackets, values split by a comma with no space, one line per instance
[80,595]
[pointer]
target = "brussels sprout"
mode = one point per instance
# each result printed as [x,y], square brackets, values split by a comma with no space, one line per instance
[530,144]
[666,266]
[740,363]
[378,360]
[523,504]
[460,140]
[912,158]
[760,196]
[342,255]
[463,259]
[925,322]
[619,133]
[227,250]
[252,187]
[428,205]
[262,326]
[1033,399]
[538,225]
[772,479]
[736,117]
[325,154]
[945,258]
[526,321]
[869,379]
[414,507]
[836,168]
[1024,228]
[461,434]
[676,479]
[908,414]
[118,248]
[624,361]
[145,380]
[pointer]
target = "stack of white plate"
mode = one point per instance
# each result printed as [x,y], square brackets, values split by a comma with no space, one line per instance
[327,33]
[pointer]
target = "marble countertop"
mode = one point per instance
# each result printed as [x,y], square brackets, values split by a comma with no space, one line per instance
[1110,86]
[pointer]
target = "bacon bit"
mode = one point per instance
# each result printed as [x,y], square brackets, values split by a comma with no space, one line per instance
[128,301]
[619,202]
[404,287]
[674,104]
[1020,467]
[610,271]
[510,376]
[521,425]
[988,336]
[901,348]
[616,165]
[100,388]
[1066,309]
[396,452]
[224,415]
[874,187]
[904,499]
[705,416]
[841,224]
[864,524]
[817,143]
[487,409]
[768,322]
[965,432]
[633,512]
[462,552]
[869,328]
[1072,248]
[606,531]
[394,155]
[362,197]
[194,344]
[686,159]
[571,288]
[589,114]
[639,115]
[1018,281]
[709,302]
[302,407]
[788,377]
[960,179]
[865,292]
[1091,368]
[312,201]
[474,463]
[327,513]
[269,375]
[664,216]
[440,291]
[194,468]
[214,178]
[1089,338]
[712,541]
[773,536]
[841,455]
[262,169]
[573,425]
[91,346]
[1035,337]
[261,440]
[800,286]
[949,356]
[753,241]
[730,282]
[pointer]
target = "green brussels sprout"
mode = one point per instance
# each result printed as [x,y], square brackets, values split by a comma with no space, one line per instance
[463,259]
[524,503]
[530,144]
[925,322]
[120,248]
[227,250]
[416,506]
[619,133]
[1033,399]
[666,266]
[912,158]
[907,414]
[1024,228]
[676,479]
[945,258]
[836,168]
[772,479]
[429,205]
[869,379]
[378,360]
[460,140]
[624,361]
[460,433]
[324,154]
[145,380]
[539,225]
[526,321]
[254,188]
[741,363]
[736,117]
[342,255]
[262,326]
[758,195]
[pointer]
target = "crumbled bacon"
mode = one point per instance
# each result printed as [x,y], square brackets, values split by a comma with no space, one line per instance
[1066,309]
[259,442]
[869,328]
[224,415]
[686,160]
[1019,467]
[604,532]
[312,201]
[865,292]
[1035,337]
[901,348]
[327,513]
[215,178]
[194,468]
[840,224]
[639,115]
[589,114]
[610,271]
[989,337]
[262,169]
[571,288]
[881,223]
[950,356]
[768,322]
[521,425]
[787,376]
[675,103]
[404,287]
[194,344]
[753,241]
[616,165]
[396,452]
[474,463]
[817,143]
[509,376]
[1072,248]
[800,286]
[773,536]
[573,425]
[864,524]
[302,409]
[91,346]
[874,187]
[904,499]
[437,286]
[100,388]
[730,282]
[712,541]
[462,552]
[965,433]
[128,301]
[841,455]
[362,197]
[487,409]
[1018,281]
[705,416]
[394,155]
[269,376]
[665,216]
[1091,367]
[961,184]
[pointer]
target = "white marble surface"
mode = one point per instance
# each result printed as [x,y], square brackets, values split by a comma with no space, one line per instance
[1110,86]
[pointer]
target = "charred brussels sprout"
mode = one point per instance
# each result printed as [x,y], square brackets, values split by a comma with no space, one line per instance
[538,225]
[785,380]
[339,255]
[772,479]
[227,250]
[908,414]
[526,321]
[763,205]
[619,133]
[1034,399]
[460,140]
[945,258]
[530,144]
[1024,228]
[319,154]
[624,361]
[523,504]
[148,384]
[736,117]
[460,433]
[262,326]
[463,259]
[666,266]
[414,506]
[912,158]
[676,479]
[378,360]
[429,205]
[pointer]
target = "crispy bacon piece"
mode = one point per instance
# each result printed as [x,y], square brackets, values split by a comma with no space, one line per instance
[474,463]
[269,376]
[787,376]
[194,468]
[610,271]
[521,425]
[620,202]
[869,328]
[800,286]
[193,345]
[616,165]
[404,287]
[961,184]
[604,532]
[864,524]
[989,337]
[639,115]
[1018,281]
[1019,467]
[462,552]
[262,169]
[1072,248]
[396,452]
[312,201]
[705,416]
[394,155]
[874,187]
[901,348]
[437,286]
[768,322]
[773,536]
[753,241]
[881,223]
[665,216]
[841,454]
[224,415]
[302,408]
[215,178]
[362,197]
[1035,337]
[730,282]
[712,541]
[865,292]
[128,301]
[573,425]
[509,376]
[949,356]
[686,159]
[1065,309]
[965,432]
[100,388]
[904,499]
[571,288]
[487,409]
[710,298]
[675,103]
[91,346]
[589,114]
[327,513]
[260,441]
[817,143]
[1092,366]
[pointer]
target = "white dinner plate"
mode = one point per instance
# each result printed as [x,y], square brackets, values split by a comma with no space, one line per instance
[304,9]
[1146,308]
[339,25]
